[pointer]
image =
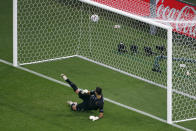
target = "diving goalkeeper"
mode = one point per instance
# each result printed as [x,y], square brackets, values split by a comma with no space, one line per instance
[92,100]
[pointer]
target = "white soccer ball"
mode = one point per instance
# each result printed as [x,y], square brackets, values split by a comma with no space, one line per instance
[188,73]
[95,18]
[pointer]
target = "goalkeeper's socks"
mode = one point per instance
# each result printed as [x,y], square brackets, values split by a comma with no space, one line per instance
[69,103]
[72,85]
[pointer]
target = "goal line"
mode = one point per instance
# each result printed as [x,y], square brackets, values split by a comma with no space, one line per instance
[115,69]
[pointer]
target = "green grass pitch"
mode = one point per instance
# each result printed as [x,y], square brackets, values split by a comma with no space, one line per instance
[32,103]
[28,102]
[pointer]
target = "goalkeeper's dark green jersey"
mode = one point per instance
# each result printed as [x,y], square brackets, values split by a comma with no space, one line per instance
[90,101]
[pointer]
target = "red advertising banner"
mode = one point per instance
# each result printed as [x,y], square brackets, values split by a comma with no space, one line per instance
[138,7]
[173,10]
[166,10]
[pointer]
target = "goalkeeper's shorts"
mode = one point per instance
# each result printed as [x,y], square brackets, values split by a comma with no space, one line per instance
[84,105]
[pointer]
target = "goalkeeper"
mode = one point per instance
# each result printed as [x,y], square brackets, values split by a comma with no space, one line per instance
[92,100]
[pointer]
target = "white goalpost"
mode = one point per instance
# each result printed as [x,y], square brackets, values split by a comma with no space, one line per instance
[169,53]
[48,30]
[15,40]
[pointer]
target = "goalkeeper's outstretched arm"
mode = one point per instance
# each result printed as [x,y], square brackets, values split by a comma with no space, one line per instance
[94,118]
[101,111]
[100,115]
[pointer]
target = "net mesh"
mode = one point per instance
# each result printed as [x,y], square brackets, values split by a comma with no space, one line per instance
[101,42]
[44,29]
[184,75]
[50,29]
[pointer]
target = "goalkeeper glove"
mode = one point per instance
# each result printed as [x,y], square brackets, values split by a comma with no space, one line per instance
[93,118]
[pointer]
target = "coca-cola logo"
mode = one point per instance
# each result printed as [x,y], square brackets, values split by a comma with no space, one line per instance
[157,1]
[183,20]
[172,11]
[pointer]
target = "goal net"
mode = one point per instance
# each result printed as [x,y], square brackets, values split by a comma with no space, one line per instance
[47,30]
[112,37]
[184,75]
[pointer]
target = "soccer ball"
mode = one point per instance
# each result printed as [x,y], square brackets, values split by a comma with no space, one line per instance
[188,73]
[95,18]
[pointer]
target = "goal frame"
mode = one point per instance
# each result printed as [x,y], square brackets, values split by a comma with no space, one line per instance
[169,48]
[139,18]
[15,34]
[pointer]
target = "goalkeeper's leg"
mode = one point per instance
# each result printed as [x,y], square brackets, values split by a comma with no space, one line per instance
[73,105]
[74,87]
[78,107]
